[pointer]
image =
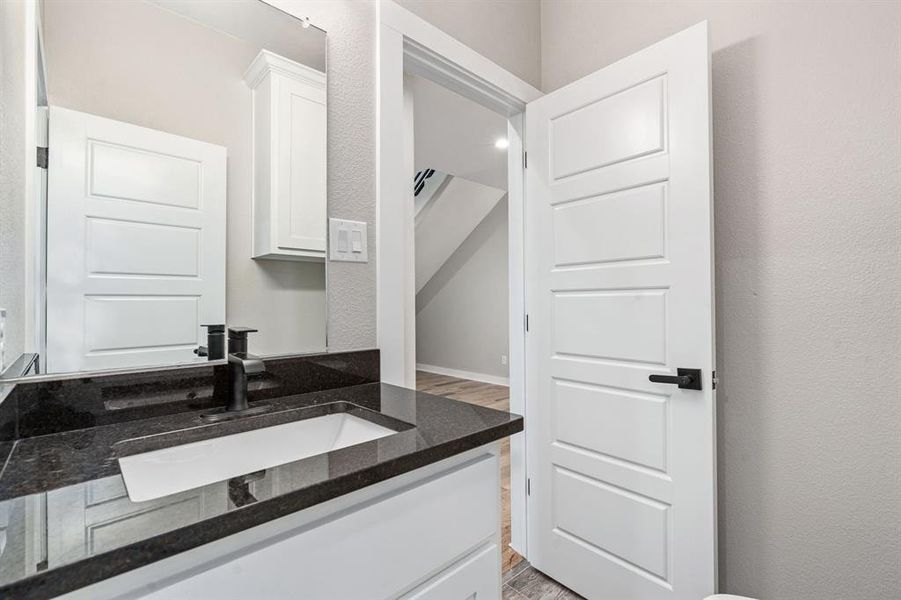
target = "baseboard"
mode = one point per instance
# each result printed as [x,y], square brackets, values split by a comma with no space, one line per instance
[495,379]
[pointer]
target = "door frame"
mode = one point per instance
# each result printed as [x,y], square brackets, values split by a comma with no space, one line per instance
[406,44]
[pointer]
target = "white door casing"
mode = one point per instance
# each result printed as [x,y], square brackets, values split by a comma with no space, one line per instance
[619,286]
[136,243]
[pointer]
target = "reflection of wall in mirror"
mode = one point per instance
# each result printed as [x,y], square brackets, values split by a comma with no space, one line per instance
[151,67]
[12,178]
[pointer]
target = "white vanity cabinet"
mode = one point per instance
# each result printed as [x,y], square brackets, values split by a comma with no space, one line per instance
[431,534]
[289,159]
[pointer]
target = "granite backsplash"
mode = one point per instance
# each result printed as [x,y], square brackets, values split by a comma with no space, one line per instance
[43,407]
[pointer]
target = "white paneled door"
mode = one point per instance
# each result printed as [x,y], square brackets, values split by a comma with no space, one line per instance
[136,243]
[619,263]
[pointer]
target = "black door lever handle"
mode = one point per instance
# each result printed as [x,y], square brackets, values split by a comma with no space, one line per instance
[686,379]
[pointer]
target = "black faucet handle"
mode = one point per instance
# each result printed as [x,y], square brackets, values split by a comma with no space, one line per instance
[237,339]
[215,342]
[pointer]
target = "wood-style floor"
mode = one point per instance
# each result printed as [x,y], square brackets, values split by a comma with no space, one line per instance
[492,396]
[525,582]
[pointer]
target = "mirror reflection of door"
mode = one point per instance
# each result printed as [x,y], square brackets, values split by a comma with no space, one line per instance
[181,181]
[136,238]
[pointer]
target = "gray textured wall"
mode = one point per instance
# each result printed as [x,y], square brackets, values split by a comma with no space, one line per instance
[807,152]
[506,31]
[12,177]
[462,313]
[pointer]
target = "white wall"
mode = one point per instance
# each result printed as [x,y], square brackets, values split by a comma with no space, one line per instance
[191,85]
[807,157]
[13,166]
[462,312]
[506,31]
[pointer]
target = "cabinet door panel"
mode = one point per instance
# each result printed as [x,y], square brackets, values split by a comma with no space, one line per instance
[301,168]
[473,578]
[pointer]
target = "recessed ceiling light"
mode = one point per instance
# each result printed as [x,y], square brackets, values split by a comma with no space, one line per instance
[501,144]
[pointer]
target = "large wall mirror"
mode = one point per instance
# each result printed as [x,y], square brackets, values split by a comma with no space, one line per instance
[183,186]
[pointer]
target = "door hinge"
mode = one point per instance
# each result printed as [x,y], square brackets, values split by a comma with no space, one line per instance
[528,487]
[525,160]
[43,156]
[527,322]
[714,380]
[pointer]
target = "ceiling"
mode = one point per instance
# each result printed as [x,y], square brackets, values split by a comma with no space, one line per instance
[455,135]
[258,23]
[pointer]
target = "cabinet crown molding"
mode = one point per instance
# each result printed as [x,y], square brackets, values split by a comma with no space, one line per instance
[268,62]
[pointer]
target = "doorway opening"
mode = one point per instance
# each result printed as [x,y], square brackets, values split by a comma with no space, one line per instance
[409,47]
[461,265]
[619,238]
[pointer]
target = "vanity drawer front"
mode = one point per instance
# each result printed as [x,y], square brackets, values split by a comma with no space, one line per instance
[379,550]
[475,577]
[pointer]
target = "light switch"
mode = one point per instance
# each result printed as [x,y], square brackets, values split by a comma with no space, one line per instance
[347,240]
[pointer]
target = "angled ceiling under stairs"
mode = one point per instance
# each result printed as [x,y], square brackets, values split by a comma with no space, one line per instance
[447,210]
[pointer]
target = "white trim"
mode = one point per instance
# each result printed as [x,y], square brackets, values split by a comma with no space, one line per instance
[407,43]
[439,52]
[409,229]
[419,60]
[483,377]
[517,311]
[395,285]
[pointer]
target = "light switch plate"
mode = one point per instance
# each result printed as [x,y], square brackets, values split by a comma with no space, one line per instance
[347,241]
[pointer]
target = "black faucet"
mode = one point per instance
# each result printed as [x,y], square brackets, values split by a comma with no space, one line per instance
[240,365]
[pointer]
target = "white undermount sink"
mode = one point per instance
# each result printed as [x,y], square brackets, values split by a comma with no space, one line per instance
[168,471]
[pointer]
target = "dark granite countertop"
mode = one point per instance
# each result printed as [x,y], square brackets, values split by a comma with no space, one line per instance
[66,520]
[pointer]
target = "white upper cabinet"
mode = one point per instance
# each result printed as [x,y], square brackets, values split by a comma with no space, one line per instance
[289,159]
